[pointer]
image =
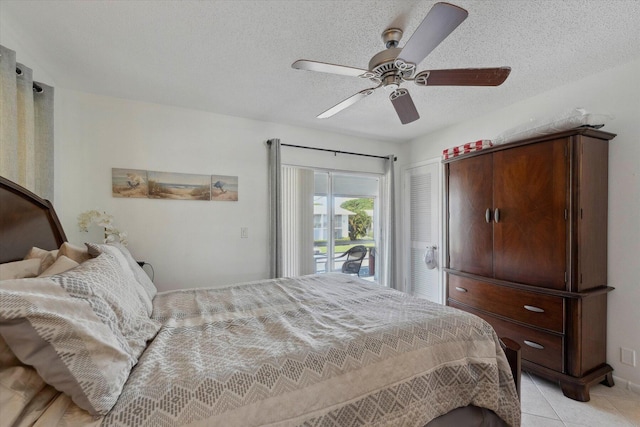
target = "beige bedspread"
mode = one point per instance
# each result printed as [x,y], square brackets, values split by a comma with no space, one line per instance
[321,350]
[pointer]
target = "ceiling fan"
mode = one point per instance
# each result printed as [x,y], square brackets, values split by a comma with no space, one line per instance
[394,65]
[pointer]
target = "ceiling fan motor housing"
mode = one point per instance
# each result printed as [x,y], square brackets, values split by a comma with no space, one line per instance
[391,37]
[383,66]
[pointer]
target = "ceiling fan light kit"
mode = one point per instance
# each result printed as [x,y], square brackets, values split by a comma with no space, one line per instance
[394,65]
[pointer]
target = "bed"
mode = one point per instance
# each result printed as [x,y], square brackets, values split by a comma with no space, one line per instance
[91,343]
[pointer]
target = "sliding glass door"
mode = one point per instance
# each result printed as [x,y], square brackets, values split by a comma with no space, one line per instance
[346,221]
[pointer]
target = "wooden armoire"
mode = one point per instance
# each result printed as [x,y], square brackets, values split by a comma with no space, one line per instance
[527,250]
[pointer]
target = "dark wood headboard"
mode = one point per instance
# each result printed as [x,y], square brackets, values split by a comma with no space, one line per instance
[26,220]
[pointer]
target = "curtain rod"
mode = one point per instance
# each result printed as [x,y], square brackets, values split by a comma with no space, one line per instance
[335,152]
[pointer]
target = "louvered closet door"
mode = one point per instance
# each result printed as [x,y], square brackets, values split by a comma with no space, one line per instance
[421,219]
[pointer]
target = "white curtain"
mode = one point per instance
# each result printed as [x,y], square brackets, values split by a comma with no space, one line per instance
[26,127]
[297,214]
[388,270]
[275,208]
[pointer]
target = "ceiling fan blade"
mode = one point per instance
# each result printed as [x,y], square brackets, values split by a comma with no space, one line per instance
[441,20]
[404,106]
[463,77]
[346,103]
[323,67]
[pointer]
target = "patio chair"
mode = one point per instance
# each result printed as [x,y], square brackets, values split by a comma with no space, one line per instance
[353,259]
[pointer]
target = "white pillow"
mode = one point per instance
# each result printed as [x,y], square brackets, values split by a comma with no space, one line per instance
[77,253]
[141,275]
[47,258]
[61,265]
[20,269]
[142,278]
[82,330]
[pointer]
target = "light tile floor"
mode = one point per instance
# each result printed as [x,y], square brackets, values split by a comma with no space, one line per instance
[544,405]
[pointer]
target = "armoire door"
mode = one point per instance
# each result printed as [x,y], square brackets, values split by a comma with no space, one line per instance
[530,196]
[470,207]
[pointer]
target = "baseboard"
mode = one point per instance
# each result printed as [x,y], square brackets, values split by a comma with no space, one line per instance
[627,384]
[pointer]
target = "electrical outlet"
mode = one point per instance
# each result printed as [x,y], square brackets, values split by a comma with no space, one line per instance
[244,232]
[628,356]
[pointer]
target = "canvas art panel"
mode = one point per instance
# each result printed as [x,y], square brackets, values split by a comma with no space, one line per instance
[224,188]
[129,183]
[179,186]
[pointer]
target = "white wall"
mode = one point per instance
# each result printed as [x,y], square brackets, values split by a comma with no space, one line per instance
[615,91]
[189,243]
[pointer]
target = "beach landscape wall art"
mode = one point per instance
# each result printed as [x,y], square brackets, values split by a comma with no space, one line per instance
[136,183]
[224,188]
[129,183]
[179,186]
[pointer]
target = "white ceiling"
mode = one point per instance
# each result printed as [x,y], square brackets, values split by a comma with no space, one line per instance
[234,57]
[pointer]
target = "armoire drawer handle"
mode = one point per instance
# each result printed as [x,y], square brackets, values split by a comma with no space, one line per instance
[459,289]
[534,309]
[534,345]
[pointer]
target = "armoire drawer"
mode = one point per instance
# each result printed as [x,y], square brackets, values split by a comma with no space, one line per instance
[542,348]
[542,311]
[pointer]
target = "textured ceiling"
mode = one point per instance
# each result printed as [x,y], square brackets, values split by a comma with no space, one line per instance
[234,57]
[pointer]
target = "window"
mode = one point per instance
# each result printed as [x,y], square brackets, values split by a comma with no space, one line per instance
[347,204]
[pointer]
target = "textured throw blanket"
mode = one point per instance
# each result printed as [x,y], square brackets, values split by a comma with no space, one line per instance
[320,350]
